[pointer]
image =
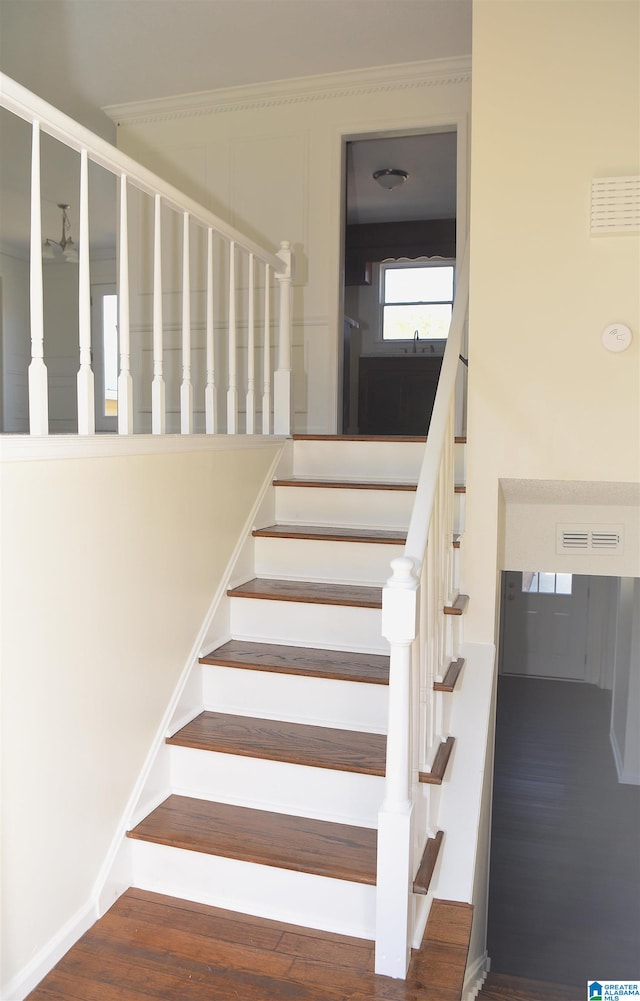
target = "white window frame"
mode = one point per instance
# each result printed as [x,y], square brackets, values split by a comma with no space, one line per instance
[441,262]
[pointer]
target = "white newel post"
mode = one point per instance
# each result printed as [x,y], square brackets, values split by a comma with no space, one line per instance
[125,382]
[85,380]
[38,391]
[158,408]
[186,390]
[282,422]
[210,402]
[232,388]
[266,356]
[251,353]
[393,893]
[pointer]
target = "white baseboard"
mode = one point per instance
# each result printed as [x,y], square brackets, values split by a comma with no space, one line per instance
[46,958]
[475,977]
[625,775]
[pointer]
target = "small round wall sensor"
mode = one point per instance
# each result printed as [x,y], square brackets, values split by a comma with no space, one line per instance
[616,337]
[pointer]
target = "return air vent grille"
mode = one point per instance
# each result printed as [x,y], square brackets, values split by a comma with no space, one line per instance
[615,205]
[589,538]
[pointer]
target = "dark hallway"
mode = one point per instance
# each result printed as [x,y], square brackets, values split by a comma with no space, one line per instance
[564,901]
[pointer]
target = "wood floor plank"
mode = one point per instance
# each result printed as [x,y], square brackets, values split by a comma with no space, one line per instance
[298,843]
[316,746]
[352,595]
[331,534]
[339,665]
[503,987]
[131,955]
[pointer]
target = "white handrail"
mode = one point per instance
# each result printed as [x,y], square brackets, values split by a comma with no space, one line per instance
[17,99]
[412,604]
[134,354]
[416,543]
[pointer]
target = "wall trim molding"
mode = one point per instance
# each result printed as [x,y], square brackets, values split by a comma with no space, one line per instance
[401,76]
[24,447]
[475,977]
[51,953]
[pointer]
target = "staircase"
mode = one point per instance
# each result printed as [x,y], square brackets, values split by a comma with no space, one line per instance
[276,785]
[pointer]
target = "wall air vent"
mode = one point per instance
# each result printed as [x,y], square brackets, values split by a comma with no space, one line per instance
[615,205]
[589,538]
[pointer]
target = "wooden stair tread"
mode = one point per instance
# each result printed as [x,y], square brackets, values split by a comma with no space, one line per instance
[324,533]
[316,746]
[440,762]
[358,437]
[300,844]
[459,606]
[334,484]
[428,864]
[448,683]
[321,593]
[338,665]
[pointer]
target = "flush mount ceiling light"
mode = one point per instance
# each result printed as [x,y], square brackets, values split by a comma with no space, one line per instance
[65,244]
[390,178]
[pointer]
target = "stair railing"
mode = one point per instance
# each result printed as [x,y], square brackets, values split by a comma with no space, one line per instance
[420,639]
[242,253]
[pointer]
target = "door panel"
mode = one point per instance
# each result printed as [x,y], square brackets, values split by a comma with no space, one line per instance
[544,634]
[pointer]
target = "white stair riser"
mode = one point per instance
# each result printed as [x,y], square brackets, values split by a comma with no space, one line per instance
[277,786]
[352,460]
[280,894]
[313,559]
[300,623]
[350,508]
[295,698]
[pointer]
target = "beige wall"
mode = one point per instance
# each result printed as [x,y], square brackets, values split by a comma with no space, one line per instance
[109,566]
[555,104]
[268,160]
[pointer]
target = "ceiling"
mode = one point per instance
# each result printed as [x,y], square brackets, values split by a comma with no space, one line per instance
[83,55]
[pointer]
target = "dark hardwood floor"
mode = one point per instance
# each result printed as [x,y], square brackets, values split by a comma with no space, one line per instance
[149,947]
[564,902]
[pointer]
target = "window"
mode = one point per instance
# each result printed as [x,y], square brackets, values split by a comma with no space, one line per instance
[537,582]
[416,297]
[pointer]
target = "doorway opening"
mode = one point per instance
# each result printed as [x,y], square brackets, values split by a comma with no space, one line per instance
[564,889]
[390,373]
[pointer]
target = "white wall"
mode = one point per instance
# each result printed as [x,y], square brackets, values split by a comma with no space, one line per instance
[268,160]
[108,568]
[555,104]
[625,707]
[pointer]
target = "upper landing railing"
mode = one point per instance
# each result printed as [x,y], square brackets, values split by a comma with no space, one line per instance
[243,298]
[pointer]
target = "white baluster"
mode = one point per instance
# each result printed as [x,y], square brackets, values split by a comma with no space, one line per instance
[393,897]
[125,382]
[232,390]
[85,380]
[38,391]
[251,349]
[210,400]
[282,379]
[158,409]
[186,390]
[266,358]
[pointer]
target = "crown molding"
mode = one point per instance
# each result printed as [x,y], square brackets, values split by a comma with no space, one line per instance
[402,76]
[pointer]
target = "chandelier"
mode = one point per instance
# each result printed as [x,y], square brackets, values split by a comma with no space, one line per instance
[65,245]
